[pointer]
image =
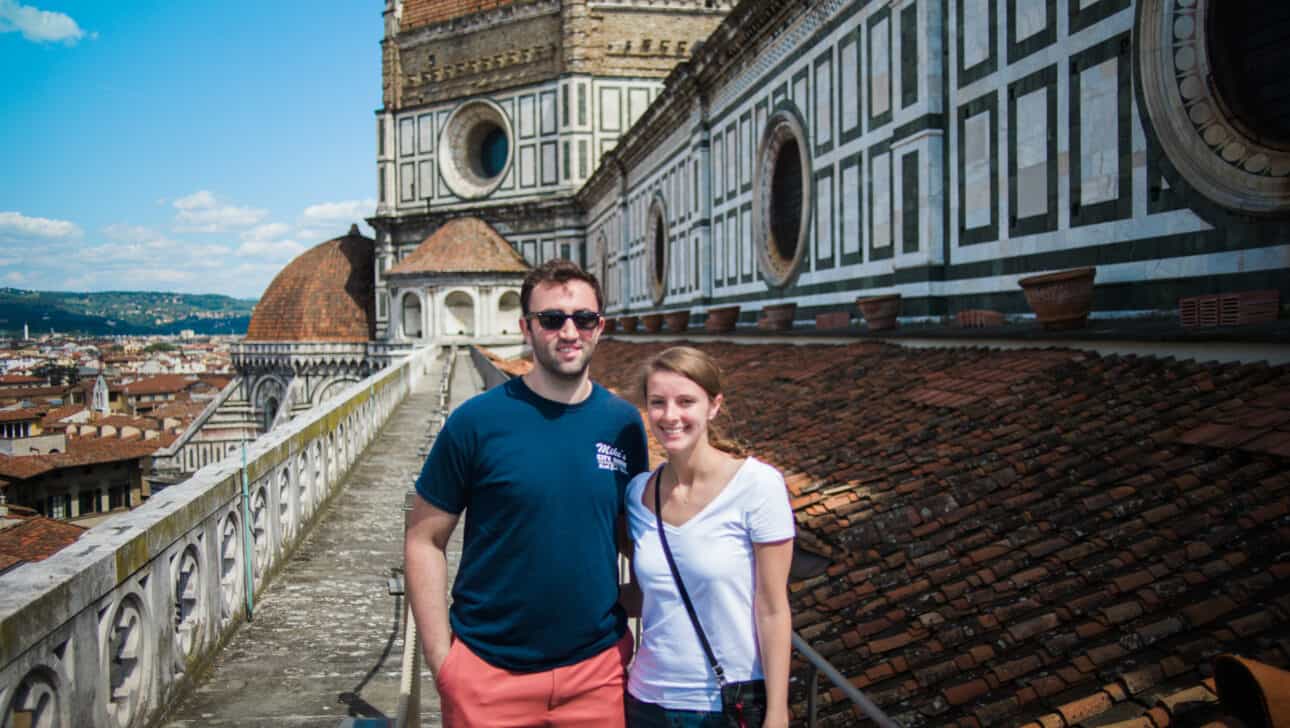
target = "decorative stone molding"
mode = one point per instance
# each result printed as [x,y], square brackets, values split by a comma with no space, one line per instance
[780,248]
[465,133]
[1223,158]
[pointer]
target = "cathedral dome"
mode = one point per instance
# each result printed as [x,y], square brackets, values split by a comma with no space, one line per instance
[324,294]
[463,245]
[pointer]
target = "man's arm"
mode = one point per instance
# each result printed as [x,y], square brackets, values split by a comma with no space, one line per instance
[426,563]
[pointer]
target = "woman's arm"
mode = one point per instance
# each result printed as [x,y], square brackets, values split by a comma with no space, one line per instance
[774,625]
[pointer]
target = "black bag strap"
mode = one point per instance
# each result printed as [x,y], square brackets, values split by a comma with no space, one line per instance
[680,585]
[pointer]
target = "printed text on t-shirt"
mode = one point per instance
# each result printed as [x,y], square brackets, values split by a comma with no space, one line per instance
[609,457]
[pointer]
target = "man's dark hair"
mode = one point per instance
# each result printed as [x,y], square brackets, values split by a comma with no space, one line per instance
[560,271]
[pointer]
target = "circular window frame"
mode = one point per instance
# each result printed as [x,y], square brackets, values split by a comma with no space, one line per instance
[656,222]
[784,124]
[471,119]
[1206,150]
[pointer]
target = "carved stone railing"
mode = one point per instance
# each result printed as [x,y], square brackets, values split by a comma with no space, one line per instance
[110,629]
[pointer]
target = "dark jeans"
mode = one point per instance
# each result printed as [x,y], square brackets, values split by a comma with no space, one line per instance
[649,715]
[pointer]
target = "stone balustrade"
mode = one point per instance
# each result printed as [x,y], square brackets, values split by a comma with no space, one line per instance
[109,630]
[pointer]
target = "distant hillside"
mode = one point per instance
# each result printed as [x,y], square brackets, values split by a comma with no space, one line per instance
[121,312]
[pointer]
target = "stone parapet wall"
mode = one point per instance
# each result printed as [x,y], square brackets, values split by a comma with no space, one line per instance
[109,630]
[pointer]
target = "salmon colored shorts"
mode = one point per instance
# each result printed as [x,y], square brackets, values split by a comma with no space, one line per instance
[474,694]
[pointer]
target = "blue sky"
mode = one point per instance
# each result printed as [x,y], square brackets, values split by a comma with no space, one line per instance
[191,146]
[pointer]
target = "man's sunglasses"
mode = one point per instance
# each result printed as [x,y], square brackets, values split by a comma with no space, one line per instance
[554,320]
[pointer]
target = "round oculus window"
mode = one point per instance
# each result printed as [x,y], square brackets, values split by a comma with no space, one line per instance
[1208,78]
[475,149]
[782,198]
[656,235]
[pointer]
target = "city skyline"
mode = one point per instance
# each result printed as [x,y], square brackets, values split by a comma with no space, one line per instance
[169,147]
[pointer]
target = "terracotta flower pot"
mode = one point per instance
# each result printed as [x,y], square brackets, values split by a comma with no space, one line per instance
[628,323]
[677,321]
[777,317]
[880,312]
[611,325]
[721,320]
[652,322]
[1061,300]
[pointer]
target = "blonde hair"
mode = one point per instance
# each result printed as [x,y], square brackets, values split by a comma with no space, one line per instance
[704,371]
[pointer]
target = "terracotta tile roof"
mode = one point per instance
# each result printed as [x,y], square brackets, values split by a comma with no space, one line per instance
[57,414]
[1047,538]
[7,562]
[80,451]
[119,421]
[161,384]
[23,414]
[463,245]
[218,381]
[324,294]
[36,539]
[13,394]
[185,409]
[11,379]
[514,367]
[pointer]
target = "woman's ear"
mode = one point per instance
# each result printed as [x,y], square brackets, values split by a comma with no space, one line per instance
[716,407]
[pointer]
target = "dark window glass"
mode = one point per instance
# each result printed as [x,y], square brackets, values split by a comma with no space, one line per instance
[786,201]
[492,152]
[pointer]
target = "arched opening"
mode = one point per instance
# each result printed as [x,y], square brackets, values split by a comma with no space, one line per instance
[508,313]
[459,314]
[411,316]
[270,413]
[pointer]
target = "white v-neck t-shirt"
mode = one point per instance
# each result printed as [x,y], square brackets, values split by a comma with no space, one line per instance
[714,553]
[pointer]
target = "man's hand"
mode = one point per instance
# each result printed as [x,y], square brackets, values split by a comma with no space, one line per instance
[435,656]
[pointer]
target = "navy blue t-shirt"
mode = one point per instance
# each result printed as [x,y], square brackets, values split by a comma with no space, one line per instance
[542,484]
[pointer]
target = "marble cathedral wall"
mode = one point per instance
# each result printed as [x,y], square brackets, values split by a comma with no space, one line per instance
[943,149]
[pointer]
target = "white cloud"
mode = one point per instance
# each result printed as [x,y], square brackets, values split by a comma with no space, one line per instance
[139,235]
[272,249]
[160,275]
[16,224]
[15,277]
[202,212]
[348,211]
[40,26]
[265,232]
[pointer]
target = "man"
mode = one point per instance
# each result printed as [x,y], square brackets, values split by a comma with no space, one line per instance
[535,636]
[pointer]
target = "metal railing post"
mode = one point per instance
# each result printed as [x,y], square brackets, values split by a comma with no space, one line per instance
[820,664]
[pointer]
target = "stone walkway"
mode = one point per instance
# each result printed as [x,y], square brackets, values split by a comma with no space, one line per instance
[327,637]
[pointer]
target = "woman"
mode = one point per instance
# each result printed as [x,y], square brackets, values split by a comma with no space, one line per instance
[729,527]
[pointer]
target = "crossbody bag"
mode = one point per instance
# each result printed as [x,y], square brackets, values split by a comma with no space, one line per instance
[742,703]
